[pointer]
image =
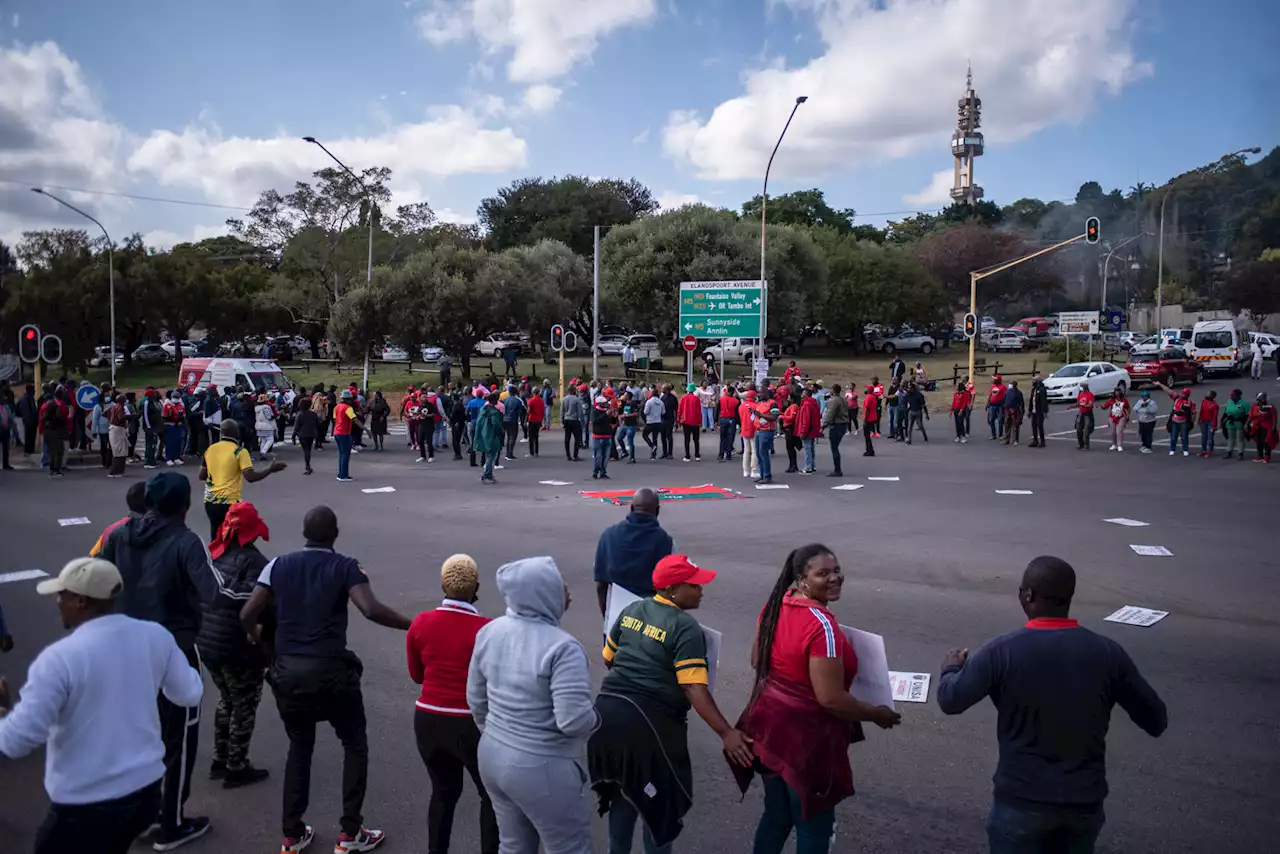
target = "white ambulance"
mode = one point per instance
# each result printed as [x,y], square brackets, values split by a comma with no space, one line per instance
[1220,346]
[259,375]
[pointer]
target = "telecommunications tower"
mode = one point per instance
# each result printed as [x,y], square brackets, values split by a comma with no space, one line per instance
[966,144]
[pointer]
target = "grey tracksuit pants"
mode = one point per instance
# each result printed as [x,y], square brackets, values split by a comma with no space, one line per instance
[537,798]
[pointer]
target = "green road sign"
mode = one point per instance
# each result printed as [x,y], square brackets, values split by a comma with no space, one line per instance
[720,309]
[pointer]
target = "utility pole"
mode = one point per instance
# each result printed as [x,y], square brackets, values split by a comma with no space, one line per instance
[764,201]
[595,306]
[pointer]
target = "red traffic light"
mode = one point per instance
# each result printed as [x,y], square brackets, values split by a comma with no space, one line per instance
[30,334]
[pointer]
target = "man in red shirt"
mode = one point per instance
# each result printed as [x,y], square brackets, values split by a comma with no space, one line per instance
[961,401]
[995,407]
[344,416]
[1084,416]
[536,415]
[439,646]
[870,419]
[747,418]
[728,419]
[689,414]
[877,391]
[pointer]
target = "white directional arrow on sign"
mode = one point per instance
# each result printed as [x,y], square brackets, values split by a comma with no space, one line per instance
[756,301]
[688,326]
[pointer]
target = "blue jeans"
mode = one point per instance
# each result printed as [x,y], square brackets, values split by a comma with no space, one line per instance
[1015,831]
[764,453]
[893,421]
[708,418]
[174,442]
[782,813]
[1176,430]
[442,434]
[488,466]
[622,827]
[834,435]
[600,454]
[995,420]
[810,453]
[627,439]
[727,429]
[344,455]
[1206,437]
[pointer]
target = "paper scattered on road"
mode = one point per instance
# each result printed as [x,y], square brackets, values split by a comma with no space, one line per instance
[1128,523]
[849,487]
[772,486]
[379,489]
[884,478]
[22,575]
[556,482]
[78,520]
[1152,551]
[871,684]
[1131,615]
[909,687]
[1014,492]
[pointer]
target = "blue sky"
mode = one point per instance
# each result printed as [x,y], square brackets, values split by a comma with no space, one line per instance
[206,102]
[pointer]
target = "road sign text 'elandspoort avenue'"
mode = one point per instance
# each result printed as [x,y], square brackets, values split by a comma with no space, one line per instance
[721,309]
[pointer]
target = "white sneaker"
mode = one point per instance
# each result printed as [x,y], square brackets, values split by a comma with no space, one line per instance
[179,462]
[956,440]
[420,459]
[295,846]
[365,840]
[1171,453]
[169,463]
[964,441]
[1186,453]
[1120,447]
[1112,448]
[1145,450]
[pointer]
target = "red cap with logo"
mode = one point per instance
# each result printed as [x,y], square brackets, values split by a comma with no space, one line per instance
[678,569]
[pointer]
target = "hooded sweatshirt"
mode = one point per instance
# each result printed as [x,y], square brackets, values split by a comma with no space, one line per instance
[528,685]
[168,577]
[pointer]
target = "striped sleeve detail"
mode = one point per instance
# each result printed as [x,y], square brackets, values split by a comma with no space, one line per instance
[691,662]
[828,631]
[692,675]
[610,650]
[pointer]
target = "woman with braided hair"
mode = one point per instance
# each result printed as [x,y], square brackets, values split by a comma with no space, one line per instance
[801,715]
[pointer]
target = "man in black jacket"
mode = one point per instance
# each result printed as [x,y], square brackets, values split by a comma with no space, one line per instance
[1038,408]
[168,578]
[152,426]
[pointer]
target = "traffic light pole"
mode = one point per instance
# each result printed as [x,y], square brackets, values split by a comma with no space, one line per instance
[999,268]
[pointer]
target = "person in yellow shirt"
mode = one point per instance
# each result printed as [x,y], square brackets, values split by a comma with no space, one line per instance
[227,466]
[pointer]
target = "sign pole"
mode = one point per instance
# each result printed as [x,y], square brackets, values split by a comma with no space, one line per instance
[561,396]
[973,309]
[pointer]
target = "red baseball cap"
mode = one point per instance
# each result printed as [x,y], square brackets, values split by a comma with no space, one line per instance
[678,569]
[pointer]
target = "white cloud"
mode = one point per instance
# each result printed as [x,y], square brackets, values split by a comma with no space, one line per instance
[545,38]
[642,137]
[456,217]
[892,71]
[937,192]
[164,239]
[669,200]
[234,170]
[540,98]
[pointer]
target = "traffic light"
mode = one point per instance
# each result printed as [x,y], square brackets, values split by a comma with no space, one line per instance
[29,344]
[51,349]
[1091,230]
[557,337]
[970,325]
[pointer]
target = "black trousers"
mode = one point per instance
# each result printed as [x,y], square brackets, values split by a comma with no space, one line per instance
[448,745]
[1037,428]
[792,444]
[866,434]
[104,450]
[513,432]
[534,429]
[915,420]
[426,438]
[572,439]
[309,691]
[29,438]
[106,827]
[691,431]
[834,435]
[180,732]
[652,434]
[668,437]
[306,451]
[457,429]
[216,513]
[1084,428]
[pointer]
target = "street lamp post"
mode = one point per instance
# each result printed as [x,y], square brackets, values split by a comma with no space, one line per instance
[764,200]
[111,278]
[1160,253]
[1107,263]
[369,269]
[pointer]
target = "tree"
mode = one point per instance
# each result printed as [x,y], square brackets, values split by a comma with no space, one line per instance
[1254,287]
[952,254]
[644,263]
[550,285]
[911,230]
[531,210]
[983,212]
[1025,214]
[803,207]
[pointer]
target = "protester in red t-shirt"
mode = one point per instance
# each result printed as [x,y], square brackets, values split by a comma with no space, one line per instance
[536,415]
[995,406]
[870,419]
[439,647]
[1180,419]
[1084,416]
[1208,422]
[689,415]
[961,401]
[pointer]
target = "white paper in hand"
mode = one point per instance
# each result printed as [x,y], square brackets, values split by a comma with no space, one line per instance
[617,599]
[871,685]
[910,687]
[713,640]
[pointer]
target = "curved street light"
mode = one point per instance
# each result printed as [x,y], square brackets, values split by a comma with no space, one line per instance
[111,277]
[369,269]
[764,200]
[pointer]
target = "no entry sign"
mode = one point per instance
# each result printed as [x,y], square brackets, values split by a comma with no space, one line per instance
[690,343]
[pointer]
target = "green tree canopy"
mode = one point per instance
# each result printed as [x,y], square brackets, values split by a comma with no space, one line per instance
[531,210]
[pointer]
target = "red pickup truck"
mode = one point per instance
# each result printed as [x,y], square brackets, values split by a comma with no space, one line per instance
[1169,366]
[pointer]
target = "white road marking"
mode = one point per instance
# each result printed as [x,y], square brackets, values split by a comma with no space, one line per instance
[22,575]
[556,482]
[772,486]
[78,520]
[379,489]
[1152,551]
[1128,523]
[885,478]
[849,487]
[1014,492]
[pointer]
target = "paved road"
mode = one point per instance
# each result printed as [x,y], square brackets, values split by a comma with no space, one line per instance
[933,559]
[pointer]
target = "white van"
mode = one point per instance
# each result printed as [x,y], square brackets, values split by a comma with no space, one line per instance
[226,373]
[1220,346]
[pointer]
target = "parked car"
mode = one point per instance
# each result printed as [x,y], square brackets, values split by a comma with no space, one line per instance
[1266,341]
[907,339]
[1221,346]
[1154,344]
[151,354]
[611,344]
[1170,366]
[988,322]
[101,357]
[1034,327]
[1127,339]
[392,353]
[728,350]
[431,354]
[495,343]
[1103,377]
[1007,340]
[189,349]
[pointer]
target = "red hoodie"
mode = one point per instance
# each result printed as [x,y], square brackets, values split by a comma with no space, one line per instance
[961,400]
[809,419]
[537,408]
[1209,411]
[689,410]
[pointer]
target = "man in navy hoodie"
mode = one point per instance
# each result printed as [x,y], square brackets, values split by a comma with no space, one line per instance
[629,550]
[1053,684]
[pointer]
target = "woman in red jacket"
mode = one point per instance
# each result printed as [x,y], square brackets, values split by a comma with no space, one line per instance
[961,403]
[808,429]
[801,716]
[689,414]
[536,415]
[439,647]
[1262,427]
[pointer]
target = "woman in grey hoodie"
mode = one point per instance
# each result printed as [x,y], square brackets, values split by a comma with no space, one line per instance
[530,694]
